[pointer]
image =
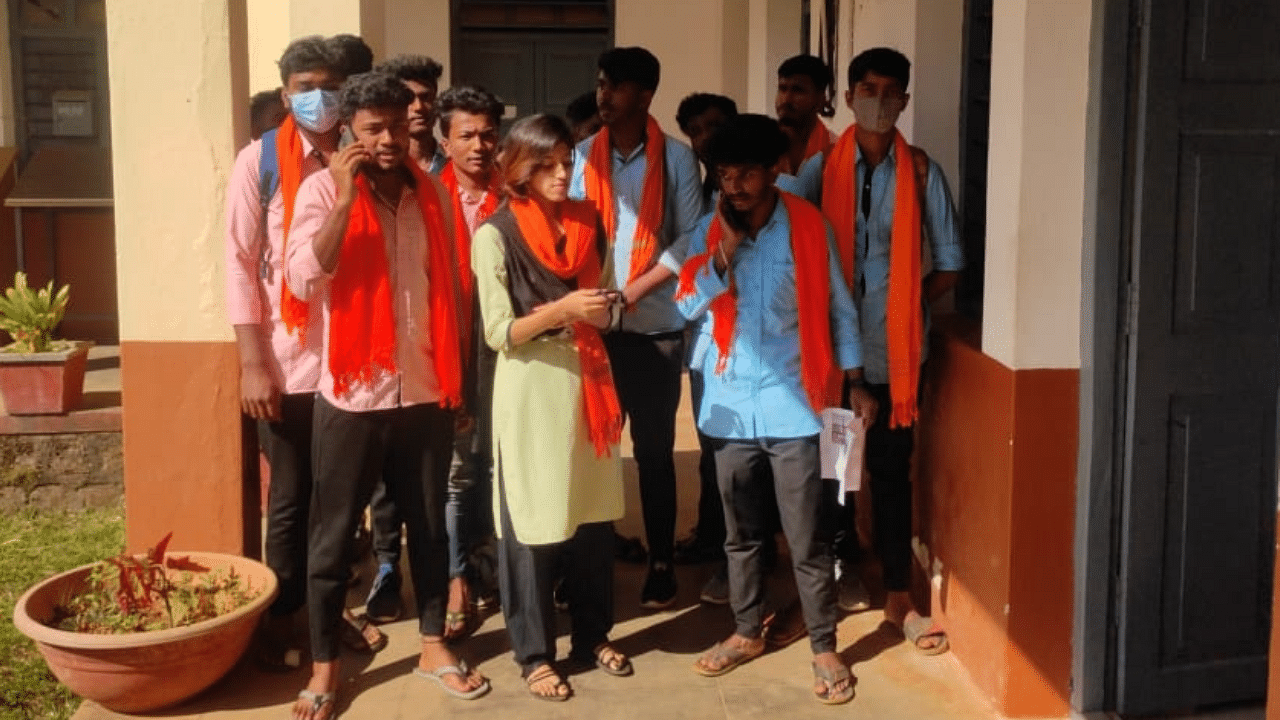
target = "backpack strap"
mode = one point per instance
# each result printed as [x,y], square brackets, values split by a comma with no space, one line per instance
[268,171]
[268,183]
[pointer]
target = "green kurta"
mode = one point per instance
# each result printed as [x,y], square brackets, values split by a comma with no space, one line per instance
[542,454]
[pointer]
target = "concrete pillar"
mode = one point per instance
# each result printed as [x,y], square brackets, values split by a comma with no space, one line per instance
[417,28]
[269,34]
[1035,183]
[774,36]
[366,18]
[174,143]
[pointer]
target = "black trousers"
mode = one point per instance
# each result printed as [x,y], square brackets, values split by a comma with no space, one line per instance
[804,503]
[527,576]
[384,524]
[287,444]
[646,373]
[888,459]
[407,448]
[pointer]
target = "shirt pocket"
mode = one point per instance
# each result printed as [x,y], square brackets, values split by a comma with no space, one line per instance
[780,297]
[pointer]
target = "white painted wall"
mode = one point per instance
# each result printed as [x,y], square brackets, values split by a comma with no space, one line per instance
[169,235]
[1035,183]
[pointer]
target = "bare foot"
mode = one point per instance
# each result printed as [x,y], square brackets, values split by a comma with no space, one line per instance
[317,702]
[457,613]
[435,655]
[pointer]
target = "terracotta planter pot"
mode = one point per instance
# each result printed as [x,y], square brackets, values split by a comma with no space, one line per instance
[49,383]
[137,672]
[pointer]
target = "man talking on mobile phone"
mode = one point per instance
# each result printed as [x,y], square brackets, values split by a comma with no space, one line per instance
[381,263]
[772,352]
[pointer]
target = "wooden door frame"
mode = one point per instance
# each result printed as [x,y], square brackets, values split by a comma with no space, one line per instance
[1105,313]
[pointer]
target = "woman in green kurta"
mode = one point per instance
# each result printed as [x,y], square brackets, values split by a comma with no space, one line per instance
[539,262]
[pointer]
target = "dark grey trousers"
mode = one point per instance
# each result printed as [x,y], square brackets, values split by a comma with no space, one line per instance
[527,576]
[409,449]
[807,517]
[287,444]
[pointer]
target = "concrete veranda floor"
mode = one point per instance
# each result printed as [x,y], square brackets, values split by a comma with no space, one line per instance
[893,681]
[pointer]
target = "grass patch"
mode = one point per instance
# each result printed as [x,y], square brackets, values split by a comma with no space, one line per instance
[33,546]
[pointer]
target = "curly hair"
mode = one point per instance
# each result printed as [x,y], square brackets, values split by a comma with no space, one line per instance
[373,90]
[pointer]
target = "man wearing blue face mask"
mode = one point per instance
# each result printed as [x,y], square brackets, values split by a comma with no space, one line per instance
[279,337]
[883,198]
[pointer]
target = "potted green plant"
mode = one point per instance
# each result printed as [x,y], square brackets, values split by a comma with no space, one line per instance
[39,375]
[137,633]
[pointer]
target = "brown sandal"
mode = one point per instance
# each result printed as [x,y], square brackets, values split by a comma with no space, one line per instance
[726,656]
[360,635]
[546,674]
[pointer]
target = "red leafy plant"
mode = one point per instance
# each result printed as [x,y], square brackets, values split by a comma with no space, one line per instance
[129,593]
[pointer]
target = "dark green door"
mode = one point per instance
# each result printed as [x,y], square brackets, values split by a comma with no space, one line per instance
[1199,490]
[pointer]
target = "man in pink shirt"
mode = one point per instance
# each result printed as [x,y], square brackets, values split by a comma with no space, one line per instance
[279,369]
[380,263]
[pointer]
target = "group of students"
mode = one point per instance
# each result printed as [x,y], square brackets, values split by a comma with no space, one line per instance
[426,327]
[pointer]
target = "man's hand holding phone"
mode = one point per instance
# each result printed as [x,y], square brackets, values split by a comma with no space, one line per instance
[344,165]
[733,228]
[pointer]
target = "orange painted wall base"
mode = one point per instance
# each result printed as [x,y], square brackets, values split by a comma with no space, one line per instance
[184,449]
[996,511]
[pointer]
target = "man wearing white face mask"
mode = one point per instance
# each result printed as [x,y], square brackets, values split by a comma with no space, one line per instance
[279,337]
[883,197]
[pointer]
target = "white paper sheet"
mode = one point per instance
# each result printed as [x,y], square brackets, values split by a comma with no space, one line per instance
[841,445]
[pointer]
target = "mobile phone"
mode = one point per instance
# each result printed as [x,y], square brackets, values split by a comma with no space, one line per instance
[345,138]
[736,219]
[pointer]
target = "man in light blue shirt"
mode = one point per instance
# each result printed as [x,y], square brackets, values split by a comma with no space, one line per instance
[757,403]
[647,354]
[877,93]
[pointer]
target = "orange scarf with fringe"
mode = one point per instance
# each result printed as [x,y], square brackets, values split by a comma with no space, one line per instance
[819,374]
[580,261]
[289,158]
[362,326]
[904,321]
[462,238]
[598,179]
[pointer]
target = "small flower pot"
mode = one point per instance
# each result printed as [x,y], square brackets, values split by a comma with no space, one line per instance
[144,671]
[50,383]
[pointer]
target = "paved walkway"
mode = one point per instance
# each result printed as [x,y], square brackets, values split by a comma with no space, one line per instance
[893,681]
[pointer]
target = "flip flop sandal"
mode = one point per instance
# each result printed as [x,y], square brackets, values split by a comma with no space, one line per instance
[319,701]
[922,628]
[732,656]
[354,637]
[543,673]
[829,696]
[623,669]
[461,670]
